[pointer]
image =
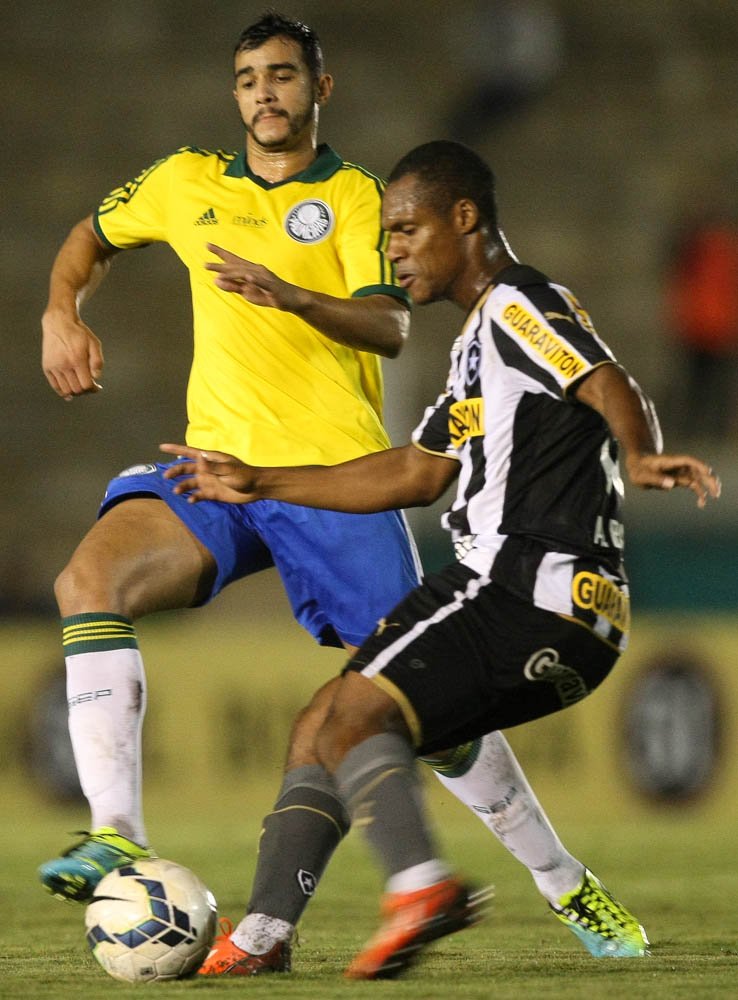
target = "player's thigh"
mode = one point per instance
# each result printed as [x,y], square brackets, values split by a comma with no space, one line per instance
[138,558]
[462,657]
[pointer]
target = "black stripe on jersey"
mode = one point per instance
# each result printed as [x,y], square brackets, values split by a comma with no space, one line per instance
[515,566]
[520,276]
[561,317]
[434,436]
[515,357]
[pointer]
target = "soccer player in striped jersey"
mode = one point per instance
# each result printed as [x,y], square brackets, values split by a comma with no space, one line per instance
[531,425]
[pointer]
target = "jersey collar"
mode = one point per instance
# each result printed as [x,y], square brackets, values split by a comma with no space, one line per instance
[325,164]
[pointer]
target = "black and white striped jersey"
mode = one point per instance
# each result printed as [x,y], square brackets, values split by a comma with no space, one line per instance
[538,503]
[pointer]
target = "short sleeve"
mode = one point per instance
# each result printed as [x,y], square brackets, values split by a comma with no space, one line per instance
[136,213]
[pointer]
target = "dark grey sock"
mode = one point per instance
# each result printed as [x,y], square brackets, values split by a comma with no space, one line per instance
[298,838]
[378,782]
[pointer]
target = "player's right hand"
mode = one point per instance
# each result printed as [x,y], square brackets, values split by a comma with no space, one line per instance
[72,357]
[666,472]
[210,475]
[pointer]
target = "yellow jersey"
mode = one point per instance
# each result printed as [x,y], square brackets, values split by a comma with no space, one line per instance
[265,385]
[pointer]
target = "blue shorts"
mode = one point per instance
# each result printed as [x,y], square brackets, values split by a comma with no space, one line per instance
[342,572]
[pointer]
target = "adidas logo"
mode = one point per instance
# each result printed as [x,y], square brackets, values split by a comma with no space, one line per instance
[207,218]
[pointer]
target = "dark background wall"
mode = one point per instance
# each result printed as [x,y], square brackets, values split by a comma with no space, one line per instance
[605,127]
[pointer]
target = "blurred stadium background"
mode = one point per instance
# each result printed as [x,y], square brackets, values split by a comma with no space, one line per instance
[604,128]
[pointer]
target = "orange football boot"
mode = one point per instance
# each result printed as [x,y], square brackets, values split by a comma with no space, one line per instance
[411,921]
[226,959]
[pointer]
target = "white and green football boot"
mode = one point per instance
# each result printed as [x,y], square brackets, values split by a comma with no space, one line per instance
[604,926]
[75,874]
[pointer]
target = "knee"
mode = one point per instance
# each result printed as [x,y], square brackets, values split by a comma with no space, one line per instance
[68,589]
[307,725]
[300,750]
[358,711]
[331,744]
[82,586]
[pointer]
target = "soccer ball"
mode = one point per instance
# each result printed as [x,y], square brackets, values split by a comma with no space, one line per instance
[151,920]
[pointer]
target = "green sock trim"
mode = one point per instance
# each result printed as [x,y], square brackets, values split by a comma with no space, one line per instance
[457,761]
[97,632]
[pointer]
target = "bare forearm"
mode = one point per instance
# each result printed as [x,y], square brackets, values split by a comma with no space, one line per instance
[629,413]
[631,417]
[377,323]
[387,480]
[79,268]
[72,357]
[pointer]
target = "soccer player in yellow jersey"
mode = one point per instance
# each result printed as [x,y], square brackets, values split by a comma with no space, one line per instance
[294,302]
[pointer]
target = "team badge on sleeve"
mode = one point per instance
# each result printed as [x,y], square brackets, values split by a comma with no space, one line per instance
[309,221]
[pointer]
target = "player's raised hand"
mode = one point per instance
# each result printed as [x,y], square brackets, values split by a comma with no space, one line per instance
[256,283]
[210,475]
[665,472]
[71,357]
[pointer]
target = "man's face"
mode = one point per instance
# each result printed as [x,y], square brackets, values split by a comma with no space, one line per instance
[277,97]
[423,245]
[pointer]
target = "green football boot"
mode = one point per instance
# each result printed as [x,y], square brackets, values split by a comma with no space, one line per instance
[77,872]
[604,926]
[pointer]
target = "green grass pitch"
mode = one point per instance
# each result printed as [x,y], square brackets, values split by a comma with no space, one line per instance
[675,870]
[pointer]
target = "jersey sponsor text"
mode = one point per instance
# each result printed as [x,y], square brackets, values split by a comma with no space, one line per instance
[605,598]
[465,420]
[544,341]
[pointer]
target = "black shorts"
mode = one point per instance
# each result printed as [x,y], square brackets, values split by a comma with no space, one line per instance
[462,657]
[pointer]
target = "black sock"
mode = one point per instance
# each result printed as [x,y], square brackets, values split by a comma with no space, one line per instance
[298,838]
[379,784]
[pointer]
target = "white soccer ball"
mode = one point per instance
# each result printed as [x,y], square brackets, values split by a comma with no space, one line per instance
[153,919]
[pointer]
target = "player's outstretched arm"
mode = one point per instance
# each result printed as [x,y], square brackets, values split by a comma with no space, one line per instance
[379,324]
[72,357]
[633,421]
[385,480]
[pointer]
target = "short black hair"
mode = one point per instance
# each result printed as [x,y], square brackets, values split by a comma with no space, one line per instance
[451,171]
[272,25]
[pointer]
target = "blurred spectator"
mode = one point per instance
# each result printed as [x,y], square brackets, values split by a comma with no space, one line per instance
[702,315]
[509,53]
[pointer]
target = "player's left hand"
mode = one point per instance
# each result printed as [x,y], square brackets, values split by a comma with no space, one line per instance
[210,475]
[665,472]
[256,283]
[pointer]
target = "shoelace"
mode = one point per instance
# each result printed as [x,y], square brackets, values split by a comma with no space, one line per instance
[226,929]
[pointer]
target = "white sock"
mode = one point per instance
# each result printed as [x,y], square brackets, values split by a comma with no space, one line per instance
[497,791]
[106,692]
[257,933]
[418,876]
